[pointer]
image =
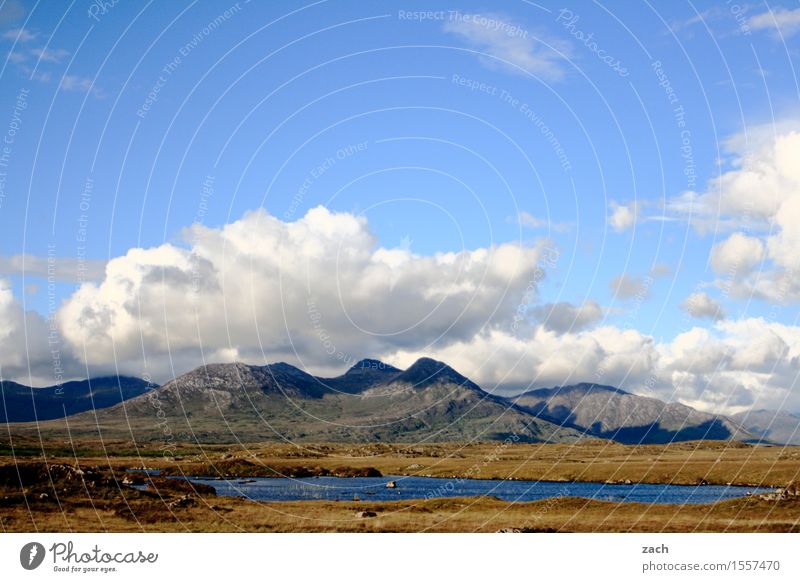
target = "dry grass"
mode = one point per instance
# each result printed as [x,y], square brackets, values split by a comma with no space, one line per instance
[110,506]
[211,514]
[681,463]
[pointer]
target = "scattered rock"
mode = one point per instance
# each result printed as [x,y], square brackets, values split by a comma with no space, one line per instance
[791,491]
[183,501]
[134,479]
[509,530]
[364,514]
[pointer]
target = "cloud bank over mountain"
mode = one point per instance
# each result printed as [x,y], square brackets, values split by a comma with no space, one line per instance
[320,292]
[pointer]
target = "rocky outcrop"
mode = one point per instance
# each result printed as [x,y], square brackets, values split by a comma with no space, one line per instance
[611,413]
[790,492]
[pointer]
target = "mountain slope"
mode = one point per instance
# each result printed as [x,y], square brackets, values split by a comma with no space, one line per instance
[20,403]
[612,413]
[362,376]
[772,425]
[370,402]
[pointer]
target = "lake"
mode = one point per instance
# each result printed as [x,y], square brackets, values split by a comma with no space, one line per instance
[374,489]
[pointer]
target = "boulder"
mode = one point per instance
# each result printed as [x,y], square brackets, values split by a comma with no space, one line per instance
[391,485]
[364,514]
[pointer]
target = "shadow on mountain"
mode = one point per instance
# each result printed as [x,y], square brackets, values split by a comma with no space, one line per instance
[655,434]
[25,404]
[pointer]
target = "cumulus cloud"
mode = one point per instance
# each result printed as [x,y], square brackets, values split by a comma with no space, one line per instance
[548,358]
[623,216]
[730,367]
[734,365]
[758,199]
[514,48]
[738,255]
[782,20]
[320,292]
[319,286]
[627,286]
[31,350]
[564,316]
[702,305]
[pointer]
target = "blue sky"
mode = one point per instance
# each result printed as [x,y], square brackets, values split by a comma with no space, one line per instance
[447,126]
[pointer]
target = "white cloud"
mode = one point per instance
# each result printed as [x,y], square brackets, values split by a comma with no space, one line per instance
[76,83]
[317,285]
[759,199]
[514,48]
[627,286]
[547,358]
[735,365]
[623,216]
[737,255]
[661,270]
[319,292]
[50,55]
[785,21]
[17,58]
[763,177]
[728,368]
[528,220]
[19,35]
[701,305]
[564,316]
[30,351]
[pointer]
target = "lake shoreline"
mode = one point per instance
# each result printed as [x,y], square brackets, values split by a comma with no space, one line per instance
[109,505]
[399,487]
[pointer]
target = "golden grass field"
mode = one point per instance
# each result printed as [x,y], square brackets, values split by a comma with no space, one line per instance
[98,501]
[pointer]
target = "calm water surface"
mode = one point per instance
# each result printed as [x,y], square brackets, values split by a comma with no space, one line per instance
[374,489]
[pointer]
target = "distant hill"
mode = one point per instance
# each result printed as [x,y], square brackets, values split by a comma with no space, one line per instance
[20,403]
[772,425]
[371,402]
[611,413]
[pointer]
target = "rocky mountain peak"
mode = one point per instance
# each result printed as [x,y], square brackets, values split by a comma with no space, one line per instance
[427,371]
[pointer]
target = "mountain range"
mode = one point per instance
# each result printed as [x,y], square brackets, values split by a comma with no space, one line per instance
[371,402]
[21,403]
[608,412]
[773,425]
